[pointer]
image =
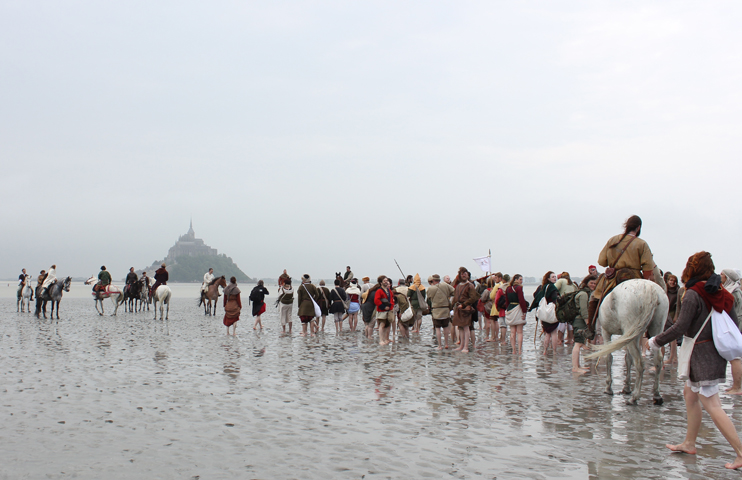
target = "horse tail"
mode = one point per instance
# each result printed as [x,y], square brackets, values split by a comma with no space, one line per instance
[636,330]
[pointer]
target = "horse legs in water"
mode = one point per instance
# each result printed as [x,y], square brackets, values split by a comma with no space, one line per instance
[101,311]
[608,366]
[634,349]
[629,361]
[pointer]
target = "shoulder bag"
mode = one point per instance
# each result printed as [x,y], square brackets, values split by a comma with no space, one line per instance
[546,311]
[422,303]
[685,350]
[317,310]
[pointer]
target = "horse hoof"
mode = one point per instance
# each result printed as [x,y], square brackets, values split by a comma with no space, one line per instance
[626,391]
[608,391]
[658,401]
[631,401]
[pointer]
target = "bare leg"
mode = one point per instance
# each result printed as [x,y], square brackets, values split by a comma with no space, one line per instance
[465,336]
[438,336]
[693,412]
[520,339]
[576,359]
[722,421]
[290,325]
[736,388]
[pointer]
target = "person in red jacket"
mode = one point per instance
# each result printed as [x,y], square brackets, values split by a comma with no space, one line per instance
[384,301]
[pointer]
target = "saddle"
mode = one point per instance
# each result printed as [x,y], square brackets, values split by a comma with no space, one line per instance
[101,291]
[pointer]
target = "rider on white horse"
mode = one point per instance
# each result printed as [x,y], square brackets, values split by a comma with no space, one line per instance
[104,279]
[627,257]
[208,278]
[23,280]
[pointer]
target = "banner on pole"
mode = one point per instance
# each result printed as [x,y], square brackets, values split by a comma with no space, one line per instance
[484,263]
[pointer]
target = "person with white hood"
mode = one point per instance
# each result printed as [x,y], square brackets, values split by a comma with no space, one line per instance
[730,282]
[51,277]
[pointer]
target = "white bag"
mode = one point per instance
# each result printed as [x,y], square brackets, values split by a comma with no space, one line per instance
[685,350]
[727,338]
[407,315]
[317,310]
[546,312]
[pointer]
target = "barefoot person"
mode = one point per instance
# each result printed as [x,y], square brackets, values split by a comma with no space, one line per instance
[232,305]
[707,368]
[285,304]
[354,295]
[579,324]
[306,297]
[337,308]
[465,301]
[439,299]
[515,315]
[384,301]
[257,297]
[672,298]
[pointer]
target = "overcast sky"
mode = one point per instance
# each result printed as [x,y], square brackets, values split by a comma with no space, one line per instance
[315,135]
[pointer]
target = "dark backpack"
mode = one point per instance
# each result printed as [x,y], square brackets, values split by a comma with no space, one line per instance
[567,307]
[502,302]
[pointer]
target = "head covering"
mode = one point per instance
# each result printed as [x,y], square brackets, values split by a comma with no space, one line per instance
[732,282]
[436,277]
[163,265]
[417,284]
[591,267]
[430,279]
[322,282]
[366,279]
[306,278]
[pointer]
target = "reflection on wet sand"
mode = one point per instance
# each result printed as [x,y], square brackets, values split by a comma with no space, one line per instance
[129,396]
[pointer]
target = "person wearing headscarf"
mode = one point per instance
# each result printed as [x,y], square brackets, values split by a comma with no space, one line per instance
[51,277]
[730,282]
[232,305]
[416,294]
[703,292]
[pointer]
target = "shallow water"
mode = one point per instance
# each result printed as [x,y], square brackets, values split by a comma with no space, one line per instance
[132,397]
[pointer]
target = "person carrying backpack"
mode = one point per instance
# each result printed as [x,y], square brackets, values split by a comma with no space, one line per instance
[581,299]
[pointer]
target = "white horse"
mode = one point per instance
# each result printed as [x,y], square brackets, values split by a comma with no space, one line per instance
[162,295]
[630,309]
[24,297]
[112,291]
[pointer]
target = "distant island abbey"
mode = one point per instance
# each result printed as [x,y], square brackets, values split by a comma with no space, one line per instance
[190,258]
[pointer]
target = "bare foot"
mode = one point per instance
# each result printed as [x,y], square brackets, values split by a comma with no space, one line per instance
[446,347]
[682,448]
[489,340]
[579,370]
[465,350]
[254,328]
[303,334]
[733,391]
[734,465]
[440,348]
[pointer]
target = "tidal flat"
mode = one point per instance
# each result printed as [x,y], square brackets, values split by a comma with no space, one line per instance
[91,396]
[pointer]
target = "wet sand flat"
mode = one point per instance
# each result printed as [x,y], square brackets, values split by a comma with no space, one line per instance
[132,397]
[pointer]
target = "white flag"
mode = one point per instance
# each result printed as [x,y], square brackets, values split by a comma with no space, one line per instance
[484,263]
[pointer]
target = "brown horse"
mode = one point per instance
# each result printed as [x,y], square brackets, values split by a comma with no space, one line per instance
[212,294]
[343,283]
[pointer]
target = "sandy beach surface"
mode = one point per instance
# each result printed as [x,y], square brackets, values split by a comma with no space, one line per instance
[92,396]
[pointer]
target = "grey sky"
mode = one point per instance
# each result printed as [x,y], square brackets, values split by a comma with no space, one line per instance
[313,135]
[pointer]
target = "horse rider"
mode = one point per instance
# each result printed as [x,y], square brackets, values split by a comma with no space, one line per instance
[145,280]
[51,278]
[283,278]
[131,279]
[626,257]
[24,280]
[161,277]
[104,280]
[347,276]
[39,282]
[208,278]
